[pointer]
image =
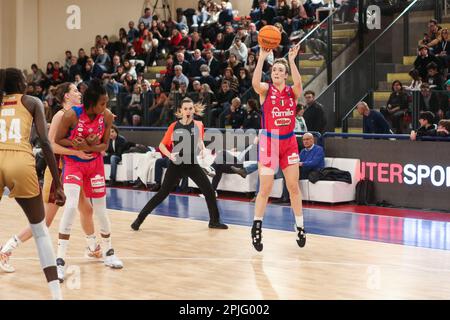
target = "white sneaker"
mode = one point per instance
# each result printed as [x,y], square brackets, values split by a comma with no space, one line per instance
[4,262]
[96,254]
[60,269]
[112,261]
[201,195]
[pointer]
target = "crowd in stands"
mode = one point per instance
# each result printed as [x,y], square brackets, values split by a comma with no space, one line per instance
[209,54]
[430,76]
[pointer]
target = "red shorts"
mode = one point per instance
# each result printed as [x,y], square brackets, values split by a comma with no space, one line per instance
[88,175]
[274,153]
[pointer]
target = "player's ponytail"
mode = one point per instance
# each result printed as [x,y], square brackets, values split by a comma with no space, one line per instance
[2,83]
[93,93]
[61,91]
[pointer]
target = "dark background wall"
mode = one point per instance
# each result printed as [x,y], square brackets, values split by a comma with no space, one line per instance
[426,196]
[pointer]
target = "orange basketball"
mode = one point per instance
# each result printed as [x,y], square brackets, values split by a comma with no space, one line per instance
[269,37]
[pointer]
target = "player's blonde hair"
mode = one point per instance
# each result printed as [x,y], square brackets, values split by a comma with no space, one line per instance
[284,62]
[198,107]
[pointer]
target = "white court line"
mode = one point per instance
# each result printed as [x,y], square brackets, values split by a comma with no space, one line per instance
[350,264]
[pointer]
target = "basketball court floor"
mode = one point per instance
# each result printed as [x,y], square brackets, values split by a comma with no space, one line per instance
[351,253]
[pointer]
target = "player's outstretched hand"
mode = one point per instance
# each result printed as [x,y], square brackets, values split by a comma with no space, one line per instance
[60,197]
[293,52]
[264,53]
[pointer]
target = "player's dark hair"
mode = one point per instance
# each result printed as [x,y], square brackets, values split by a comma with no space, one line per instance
[93,93]
[11,81]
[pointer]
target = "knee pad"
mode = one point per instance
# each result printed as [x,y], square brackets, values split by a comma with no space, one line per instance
[99,205]
[72,192]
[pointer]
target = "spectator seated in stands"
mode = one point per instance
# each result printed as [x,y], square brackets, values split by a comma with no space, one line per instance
[433,33]
[179,76]
[434,78]
[429,101]
[397,106]
[416,81]
[103,60]
[264,15]
[314,114]
[312,156]
[427,128]
[213,64]
[373,120]
[117,145]
[236,116]
[443,129]
[207,78]
[38,75]
[224,98]
[442,49]
[239,50]
[134,109]
[423,59]
[445,102]
[252,117]
[146,18]
[195,65]
[345,10]
[245,81]
[300,124]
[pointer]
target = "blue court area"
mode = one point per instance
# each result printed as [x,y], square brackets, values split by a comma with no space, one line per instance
[398,230]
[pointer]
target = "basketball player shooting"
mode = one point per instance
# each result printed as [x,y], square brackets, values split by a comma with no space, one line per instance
[278,144]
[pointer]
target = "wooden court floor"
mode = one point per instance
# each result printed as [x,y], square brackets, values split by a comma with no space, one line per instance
[171,258]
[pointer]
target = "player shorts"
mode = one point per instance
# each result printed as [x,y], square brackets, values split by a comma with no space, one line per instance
[90,176]
[274,153]
[18,174]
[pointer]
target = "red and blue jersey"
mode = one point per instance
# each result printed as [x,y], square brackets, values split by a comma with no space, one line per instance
[85,127]
[278,113]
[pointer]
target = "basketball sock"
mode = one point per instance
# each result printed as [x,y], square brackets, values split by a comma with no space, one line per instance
[299,221]
[91,242]
[107,244]
[55,289]
[62,248]
[11,245]
[258,218]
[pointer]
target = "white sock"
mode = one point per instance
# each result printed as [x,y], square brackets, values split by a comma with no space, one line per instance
[299,221]
[91,242]
[55,289]
[258,218]
[62,248]
[106,244]
[11,245]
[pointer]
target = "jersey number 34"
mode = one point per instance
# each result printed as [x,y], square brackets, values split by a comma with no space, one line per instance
[14,131]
